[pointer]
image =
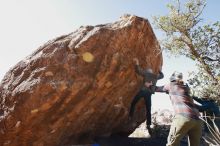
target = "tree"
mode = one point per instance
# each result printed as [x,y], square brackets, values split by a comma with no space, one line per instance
[186,34]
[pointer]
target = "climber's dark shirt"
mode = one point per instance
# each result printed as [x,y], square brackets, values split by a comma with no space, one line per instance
[148,77]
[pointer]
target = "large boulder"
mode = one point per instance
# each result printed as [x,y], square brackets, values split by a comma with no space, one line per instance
[78,86]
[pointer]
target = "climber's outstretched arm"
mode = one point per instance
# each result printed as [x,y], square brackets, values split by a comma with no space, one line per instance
[164,89]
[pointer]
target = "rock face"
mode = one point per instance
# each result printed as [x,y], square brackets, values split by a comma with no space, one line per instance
[78,86]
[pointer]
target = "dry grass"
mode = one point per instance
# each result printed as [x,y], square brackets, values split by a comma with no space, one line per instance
[213,137]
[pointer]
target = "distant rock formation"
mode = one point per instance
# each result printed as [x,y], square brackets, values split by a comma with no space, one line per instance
[78,86]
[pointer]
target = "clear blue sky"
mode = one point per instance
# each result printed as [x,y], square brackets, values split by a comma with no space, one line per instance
[27,24]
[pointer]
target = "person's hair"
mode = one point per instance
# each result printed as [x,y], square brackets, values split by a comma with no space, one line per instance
[180,81]
[207,98]
[176,77]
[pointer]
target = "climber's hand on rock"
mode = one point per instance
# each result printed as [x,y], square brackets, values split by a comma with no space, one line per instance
[136,61]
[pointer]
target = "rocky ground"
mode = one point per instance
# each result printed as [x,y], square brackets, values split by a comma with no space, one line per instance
[141,137]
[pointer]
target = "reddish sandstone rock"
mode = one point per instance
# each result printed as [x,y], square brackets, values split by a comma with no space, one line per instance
[54,97]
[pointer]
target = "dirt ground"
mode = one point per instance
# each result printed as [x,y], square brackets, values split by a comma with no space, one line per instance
[128,141]
[134,142]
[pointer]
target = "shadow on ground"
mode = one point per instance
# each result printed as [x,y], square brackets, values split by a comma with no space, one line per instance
[129,141]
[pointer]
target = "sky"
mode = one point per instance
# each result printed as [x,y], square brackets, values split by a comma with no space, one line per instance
[25,25]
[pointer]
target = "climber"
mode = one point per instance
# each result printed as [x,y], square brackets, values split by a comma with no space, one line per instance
[149,79]
[186,120]
[210,111]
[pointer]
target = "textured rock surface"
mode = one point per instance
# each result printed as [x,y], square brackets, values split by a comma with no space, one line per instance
[53,97]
